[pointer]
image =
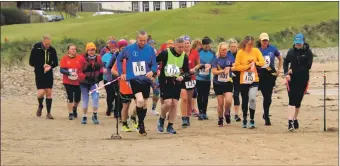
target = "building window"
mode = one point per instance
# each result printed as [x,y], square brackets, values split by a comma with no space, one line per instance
[182,4]
[157,6]
[145,6]
[168,5]
[135,6]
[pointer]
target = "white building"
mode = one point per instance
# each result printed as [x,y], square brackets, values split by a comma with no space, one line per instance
[146,6]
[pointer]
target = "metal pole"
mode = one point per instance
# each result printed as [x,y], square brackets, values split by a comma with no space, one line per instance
[324,101]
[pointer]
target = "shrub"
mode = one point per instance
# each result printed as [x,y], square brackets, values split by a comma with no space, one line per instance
[2,20]
[100,43]
[14,16]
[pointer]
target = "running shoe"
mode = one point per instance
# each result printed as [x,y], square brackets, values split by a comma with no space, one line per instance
[220,122]
[75,114]
[160,124]
[39,111]
[201,117]
[188,121]
[251,124]
[154,112]
[184,122]
[126,128]
[227,119]
[70,116]
[237,118]
[133,122]
[291,125]
[170,130]
[95,119]
[296,124]
[195,113]
[84,120]
[267,122]
[205,117]
[141,130]
[244,123]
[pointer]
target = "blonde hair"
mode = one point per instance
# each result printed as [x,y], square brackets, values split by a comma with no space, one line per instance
[46,37]
[222,44]
[195,43]
[231,41]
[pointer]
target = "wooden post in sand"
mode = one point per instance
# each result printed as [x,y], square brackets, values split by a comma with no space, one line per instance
[324,101]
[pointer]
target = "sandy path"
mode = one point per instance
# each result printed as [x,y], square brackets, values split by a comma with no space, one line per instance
[26,139]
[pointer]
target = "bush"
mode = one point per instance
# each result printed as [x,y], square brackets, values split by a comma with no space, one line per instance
[14,16]
[100,43]
[67,41]
[2,20]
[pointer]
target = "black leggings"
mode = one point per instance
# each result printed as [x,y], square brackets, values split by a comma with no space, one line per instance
[236,94]
[111,96]
[203,89]
[296,90]
[266,85]
[73,93]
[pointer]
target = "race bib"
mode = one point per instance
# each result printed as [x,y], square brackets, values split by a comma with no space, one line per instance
[267,61]
[203,72]
[248,77]
[73,77]
[190,84]
[172,70]
[223,77]
[139,68]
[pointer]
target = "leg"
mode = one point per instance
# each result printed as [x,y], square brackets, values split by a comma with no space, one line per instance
[166,107]
[77,94]
[85,97]
[220,99]
[184,102]
[199,96]
[228,97]
[49,102]
[172,116]
[70,99]
[252,104]
[125,115]
[236,97]
[244,89]
[95,105]
[109,98]
[206,98]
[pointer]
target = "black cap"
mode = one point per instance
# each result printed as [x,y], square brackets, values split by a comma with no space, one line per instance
[206,40]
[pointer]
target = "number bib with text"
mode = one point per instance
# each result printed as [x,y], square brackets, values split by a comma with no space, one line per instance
[223,77]
[248,77]
[172,70]
[190,84]
[139,68]
[203,72]
[267,61]
[71,77]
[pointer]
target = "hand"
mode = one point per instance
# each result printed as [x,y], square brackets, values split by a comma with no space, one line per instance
[101,84]
[74,74]
[158,72]
[123,77]
[149,74]
[290,71]
[288,77]
[252,68]
[226,70]
[180,78]
[207,66]
[192,70]
[88,68]
[278,73]
[47,68]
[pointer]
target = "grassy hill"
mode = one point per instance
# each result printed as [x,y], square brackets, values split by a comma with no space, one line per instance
[204,19]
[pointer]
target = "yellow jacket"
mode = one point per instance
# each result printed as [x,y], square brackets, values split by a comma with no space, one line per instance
[243,64]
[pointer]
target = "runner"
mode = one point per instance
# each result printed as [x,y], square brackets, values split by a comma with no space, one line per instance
[174,70]
[155,84]
[125,91]
[223,84]
[71,68]
[141,66]
[44,59]
[246,59]
[93,70]
[196,45]
[107,76]
[268,73]
[188,87]
[107,49]
[300,58]
[203,77]
[232,46]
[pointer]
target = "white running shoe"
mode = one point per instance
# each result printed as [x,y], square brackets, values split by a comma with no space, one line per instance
[154,112]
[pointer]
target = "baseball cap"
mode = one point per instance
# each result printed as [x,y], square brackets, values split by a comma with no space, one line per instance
[298,39]
[122,43]
[186,37]
[206,40]
[264,36]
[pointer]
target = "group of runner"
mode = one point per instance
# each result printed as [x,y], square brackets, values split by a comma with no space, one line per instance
[181,70]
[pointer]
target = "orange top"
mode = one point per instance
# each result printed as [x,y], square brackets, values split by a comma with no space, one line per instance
[124,86]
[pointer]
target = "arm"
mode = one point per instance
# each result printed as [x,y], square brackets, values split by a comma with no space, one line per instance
[278,55]
[238,66]
[121,56]
[161,56]
[65,71]
[286,63]
[54,59]
[114,70]
[185,68]
[214,68]
[310,60]
[32,58]
[153,63]
[261,62]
